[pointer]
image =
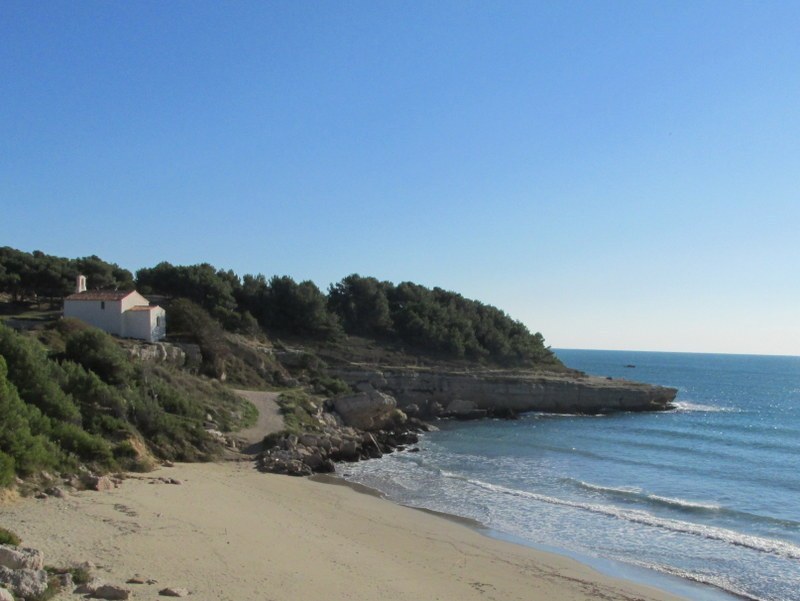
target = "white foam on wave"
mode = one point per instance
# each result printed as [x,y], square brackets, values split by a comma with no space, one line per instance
[624,490]
[633,492]
[719,582]
[684,503]
[688,406]
[756,543]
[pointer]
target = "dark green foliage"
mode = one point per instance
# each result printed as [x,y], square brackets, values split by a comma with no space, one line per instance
[80,575]
[6,470]
[36,378]
[189,320]
[97,351]
[280,305]
[111,400]
[97,398]
[286,307]
[436,321]
[77,441]
[330,386]
[32,276]
[433,321]
[9,538]
[362,305]
[22,447]
[101,275]
[202,284]
[427,320]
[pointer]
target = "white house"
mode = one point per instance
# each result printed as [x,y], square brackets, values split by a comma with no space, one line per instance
[125,314]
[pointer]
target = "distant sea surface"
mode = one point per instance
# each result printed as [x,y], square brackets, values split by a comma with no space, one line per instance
[709,492]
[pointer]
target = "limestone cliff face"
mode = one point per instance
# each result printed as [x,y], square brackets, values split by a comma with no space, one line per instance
[431,392]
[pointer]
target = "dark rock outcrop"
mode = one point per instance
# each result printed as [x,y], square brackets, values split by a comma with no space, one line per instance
[316,452]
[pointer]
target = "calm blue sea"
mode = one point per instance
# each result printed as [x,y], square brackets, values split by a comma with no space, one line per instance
[709,492]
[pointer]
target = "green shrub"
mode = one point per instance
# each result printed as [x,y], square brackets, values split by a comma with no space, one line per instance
[97,352]
[331,386]
[91,393]
[87,447]
[124,450]
[80,575]
[20,449]
[6,469]
[9,538]
[35,376]
[190,320]
[298,409]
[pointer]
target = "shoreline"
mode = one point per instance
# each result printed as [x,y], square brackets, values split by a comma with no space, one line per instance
[230,532]
[683,588]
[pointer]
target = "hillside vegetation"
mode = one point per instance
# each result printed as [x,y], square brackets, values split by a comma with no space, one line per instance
[92,405]
[71,395]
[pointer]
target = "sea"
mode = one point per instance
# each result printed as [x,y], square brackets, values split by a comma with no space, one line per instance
[702,501]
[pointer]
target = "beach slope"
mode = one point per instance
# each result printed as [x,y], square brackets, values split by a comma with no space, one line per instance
[228,532]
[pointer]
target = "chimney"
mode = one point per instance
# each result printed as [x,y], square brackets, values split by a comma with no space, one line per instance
[80,284]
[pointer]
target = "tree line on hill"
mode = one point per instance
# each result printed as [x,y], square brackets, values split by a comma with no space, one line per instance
[38,276]
[422,319]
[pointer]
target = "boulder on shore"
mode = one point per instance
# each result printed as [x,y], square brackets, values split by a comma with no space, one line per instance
[24,584]
[111,591]
[21,558]
[366,410]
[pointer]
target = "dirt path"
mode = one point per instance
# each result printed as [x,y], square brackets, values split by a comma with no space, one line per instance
[269,418]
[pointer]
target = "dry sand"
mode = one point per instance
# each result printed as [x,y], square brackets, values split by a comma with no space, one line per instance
[231,533]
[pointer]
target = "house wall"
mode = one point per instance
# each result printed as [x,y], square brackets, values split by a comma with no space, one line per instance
[145,325]
[108,319]
[159,323]
[134,299]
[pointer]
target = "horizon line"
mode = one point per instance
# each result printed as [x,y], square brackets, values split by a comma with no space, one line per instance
[564,348]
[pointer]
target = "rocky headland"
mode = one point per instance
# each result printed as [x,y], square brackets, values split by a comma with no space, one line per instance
[437,393]
[391,406]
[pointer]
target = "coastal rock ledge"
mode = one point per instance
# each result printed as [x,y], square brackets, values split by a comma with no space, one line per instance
[502,393]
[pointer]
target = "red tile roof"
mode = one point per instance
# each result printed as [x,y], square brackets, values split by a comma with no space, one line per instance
[100,295]
[142,308]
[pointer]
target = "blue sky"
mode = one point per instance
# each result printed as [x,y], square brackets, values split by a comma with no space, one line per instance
[614,174]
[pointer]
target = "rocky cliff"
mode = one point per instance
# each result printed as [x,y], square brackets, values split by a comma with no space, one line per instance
[428,392]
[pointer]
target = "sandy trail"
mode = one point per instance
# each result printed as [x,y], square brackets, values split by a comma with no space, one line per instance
[269,418]
[230,533]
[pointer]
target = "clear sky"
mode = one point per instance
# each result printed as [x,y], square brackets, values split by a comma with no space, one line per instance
[620,174]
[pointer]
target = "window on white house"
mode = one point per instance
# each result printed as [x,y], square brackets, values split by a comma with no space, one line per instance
[103,305]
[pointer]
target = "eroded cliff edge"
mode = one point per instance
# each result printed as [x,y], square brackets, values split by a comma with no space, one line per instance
[392,405]
[433,392]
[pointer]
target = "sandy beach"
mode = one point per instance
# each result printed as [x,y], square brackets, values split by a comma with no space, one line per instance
[228,532]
